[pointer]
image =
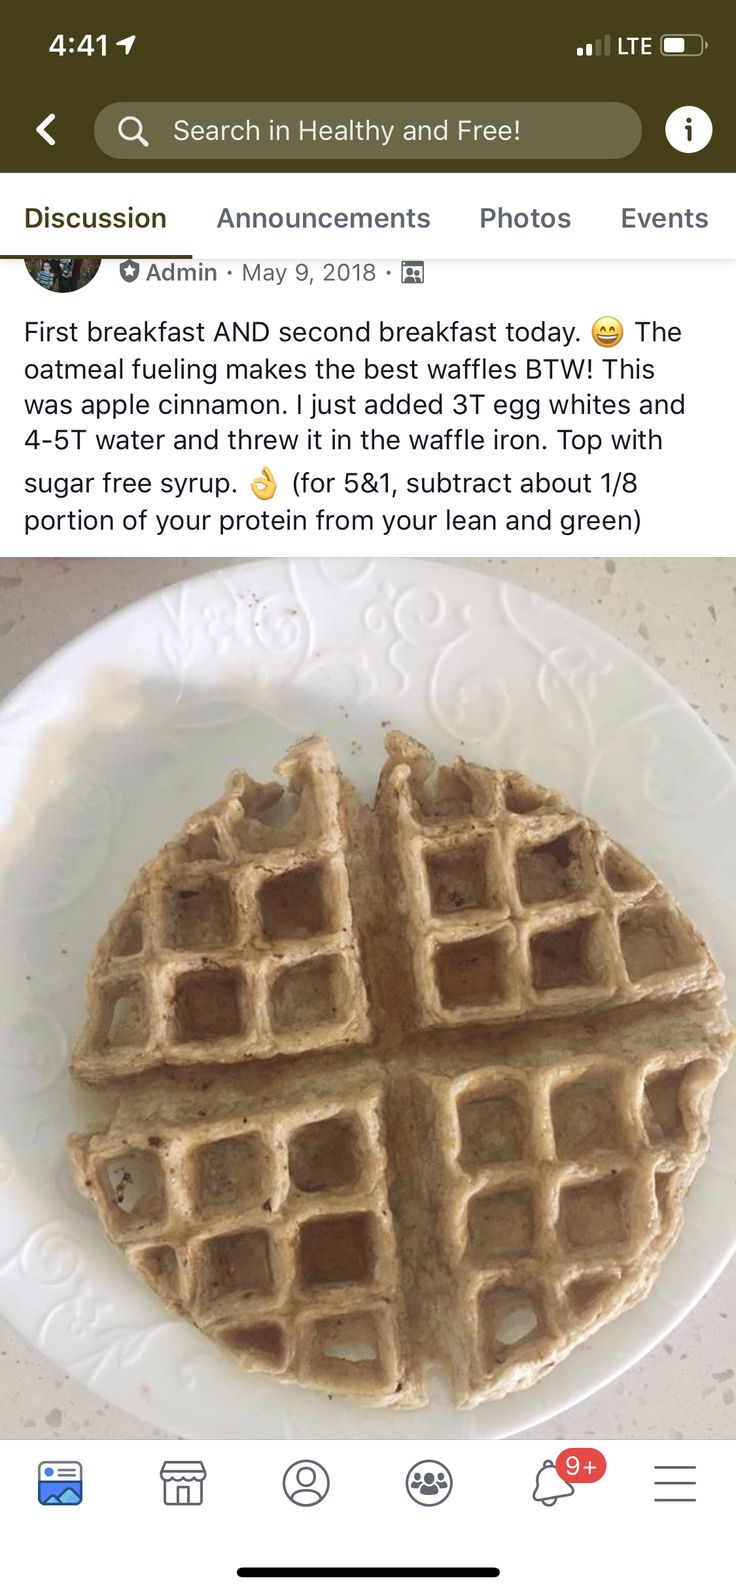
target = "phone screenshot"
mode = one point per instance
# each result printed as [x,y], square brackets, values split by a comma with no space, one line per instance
[367,798]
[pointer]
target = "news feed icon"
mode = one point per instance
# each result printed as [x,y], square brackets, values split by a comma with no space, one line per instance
[129,270]
[60,1482]
[412,271]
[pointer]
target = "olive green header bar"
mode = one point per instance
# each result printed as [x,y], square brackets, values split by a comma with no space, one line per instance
[63,68]
[375,132]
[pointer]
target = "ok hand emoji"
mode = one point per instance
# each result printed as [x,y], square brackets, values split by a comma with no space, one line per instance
[264,485]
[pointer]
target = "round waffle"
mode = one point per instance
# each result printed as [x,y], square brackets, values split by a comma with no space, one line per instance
[417,1085]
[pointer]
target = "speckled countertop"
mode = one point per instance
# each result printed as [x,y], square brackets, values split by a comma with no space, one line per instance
[681,616]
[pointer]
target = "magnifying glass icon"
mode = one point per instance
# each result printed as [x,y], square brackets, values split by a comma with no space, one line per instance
[130,128]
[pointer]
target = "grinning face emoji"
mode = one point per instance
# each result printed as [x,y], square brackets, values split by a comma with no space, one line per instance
[607,331]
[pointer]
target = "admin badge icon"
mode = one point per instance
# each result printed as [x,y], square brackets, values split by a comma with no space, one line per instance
[129,270]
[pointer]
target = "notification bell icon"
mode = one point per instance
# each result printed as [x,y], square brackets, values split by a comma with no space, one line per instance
[549,1486]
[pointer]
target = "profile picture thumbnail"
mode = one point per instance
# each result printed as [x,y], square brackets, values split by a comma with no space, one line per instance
[65,275]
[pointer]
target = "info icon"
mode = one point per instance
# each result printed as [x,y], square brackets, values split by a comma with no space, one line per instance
[429,1483]
[688,129]
[412,271]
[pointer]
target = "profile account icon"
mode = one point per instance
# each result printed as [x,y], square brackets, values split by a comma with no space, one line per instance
[306,1483]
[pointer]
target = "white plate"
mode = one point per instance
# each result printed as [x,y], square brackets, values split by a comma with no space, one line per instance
[108,746]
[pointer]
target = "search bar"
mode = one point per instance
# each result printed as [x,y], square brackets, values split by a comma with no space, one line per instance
[382,131]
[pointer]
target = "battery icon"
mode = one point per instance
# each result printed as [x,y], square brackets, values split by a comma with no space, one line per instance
[682,44]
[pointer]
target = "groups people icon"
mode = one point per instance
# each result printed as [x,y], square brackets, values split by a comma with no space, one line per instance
[429,1482]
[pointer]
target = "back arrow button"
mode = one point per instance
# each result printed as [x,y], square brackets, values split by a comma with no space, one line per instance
[42,126]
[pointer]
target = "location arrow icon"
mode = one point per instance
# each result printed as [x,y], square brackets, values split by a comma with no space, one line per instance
[42,126]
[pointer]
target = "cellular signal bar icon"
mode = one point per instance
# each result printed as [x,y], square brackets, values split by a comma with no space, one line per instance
[598,46]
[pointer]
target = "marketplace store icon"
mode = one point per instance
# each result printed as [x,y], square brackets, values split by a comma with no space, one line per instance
[183,1481]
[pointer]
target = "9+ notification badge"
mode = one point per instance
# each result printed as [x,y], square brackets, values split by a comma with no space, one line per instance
[555,1477]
